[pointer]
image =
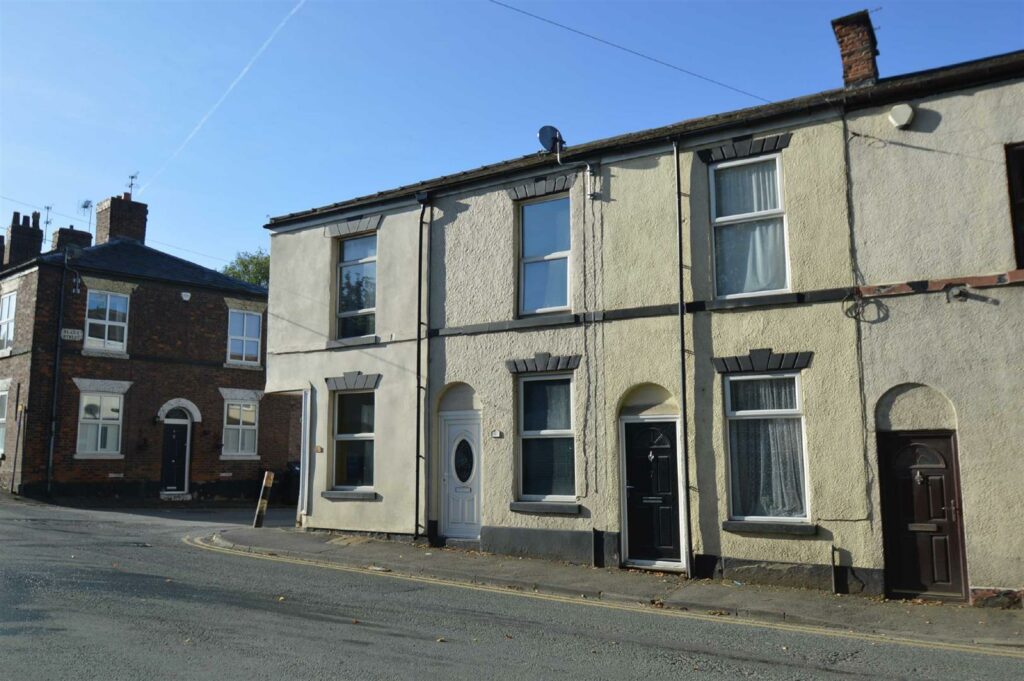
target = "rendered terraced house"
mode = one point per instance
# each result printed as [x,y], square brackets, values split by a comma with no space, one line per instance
[128,372]
[781,344]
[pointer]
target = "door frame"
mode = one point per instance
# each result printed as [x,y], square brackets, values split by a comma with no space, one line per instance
[188,454]
[955,468]
[681,565]
[446,418]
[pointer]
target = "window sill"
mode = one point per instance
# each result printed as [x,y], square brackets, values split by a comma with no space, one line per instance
[241,365]
[545,507]
[97,456]
[239,457]
[6,352]
[109,354]
[350,495]
[770,527]
[352,342]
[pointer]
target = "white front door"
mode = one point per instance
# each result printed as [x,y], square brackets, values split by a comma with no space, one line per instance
[460,439]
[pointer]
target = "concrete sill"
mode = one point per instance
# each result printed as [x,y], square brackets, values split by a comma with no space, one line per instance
[86,457]
[546,507]
[755,527]
[6,352]
[352,342]
[239,365]
[236,457]
[349,495]
[109,354]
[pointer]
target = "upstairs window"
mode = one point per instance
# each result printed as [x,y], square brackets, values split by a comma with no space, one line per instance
[749,228]
[244,337]
[99,424]
[8,303]
[544,256]
[766,447]
[547,450]
[1015,175]
[357,287]
[353,440]
[106,321]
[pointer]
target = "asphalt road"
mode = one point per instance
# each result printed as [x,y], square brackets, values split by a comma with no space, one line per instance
[87,594]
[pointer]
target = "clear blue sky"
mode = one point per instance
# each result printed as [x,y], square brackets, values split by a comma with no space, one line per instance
[356,97]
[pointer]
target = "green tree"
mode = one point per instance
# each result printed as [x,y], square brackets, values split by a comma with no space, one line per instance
[250,266]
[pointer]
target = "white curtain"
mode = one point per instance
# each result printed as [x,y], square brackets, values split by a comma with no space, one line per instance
[767,462]
[745,189]
[750,256]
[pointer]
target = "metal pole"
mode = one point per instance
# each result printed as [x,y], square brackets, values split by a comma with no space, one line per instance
[683,412]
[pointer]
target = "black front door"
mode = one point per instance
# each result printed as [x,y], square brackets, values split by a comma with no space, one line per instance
[921,519]
[652,492]
[175,457]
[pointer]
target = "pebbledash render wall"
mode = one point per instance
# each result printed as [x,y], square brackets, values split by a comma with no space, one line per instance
[622,260]
[930,202]
[303,355]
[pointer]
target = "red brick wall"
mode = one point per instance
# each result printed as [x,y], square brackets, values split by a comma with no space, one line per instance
[16,367]
[177,349]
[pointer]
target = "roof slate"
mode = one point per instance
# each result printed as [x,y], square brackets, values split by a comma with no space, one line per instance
[132,259]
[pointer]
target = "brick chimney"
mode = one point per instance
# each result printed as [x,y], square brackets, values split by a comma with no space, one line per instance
[121,218]
[68,236]
[24,239]
[857,48]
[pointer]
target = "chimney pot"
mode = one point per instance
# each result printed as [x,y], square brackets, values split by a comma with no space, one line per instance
[24,240]
[858,48]
[16,218]
[35,219]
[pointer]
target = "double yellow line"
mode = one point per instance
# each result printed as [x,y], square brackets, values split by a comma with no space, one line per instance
[974,649]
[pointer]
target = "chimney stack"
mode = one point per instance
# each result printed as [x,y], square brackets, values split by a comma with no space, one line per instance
[121,218]
[857,48]
[24,239]
[68,236]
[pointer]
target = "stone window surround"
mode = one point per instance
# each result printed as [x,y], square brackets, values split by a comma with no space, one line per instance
[101,386]
[239,395]
[352,381]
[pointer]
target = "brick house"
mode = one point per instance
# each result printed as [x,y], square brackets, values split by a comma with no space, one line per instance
[126,371]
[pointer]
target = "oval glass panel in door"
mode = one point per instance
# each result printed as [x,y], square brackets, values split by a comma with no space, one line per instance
[463,460]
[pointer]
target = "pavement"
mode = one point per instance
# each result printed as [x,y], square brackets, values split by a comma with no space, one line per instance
[918,619]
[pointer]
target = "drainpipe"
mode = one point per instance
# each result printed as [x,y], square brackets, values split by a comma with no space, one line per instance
[56,375]
[424,199]
[683,411]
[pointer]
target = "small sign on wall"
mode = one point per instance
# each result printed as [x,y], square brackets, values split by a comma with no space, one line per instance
[71,334]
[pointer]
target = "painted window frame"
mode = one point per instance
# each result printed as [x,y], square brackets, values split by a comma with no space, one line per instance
[544,434]
[258,338]
[797,413]
[7,321]
[95,344]
[98,453]
[717,222]
[339,315]
[255,428]
[352,437]
[523,261]
[4,397]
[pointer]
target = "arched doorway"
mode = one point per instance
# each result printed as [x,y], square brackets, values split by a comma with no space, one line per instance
[460,449]
[652,506]
[177,416]
[919,480]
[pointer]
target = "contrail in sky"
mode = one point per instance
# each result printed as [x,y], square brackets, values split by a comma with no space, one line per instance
[213,109]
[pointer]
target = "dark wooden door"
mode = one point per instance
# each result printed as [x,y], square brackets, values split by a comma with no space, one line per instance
[652,492]
[175,457]
[921,518]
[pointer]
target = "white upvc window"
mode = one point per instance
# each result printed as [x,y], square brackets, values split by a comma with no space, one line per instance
[8,304]
[547,459]
[357,287]
[751,255]
[99,425]
[544,249]
[3,420]
[240,429]
[353,440]
[767,452]
[244,337]
[106,321]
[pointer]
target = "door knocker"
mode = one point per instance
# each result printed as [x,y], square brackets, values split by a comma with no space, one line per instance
[918,478]
[650,456]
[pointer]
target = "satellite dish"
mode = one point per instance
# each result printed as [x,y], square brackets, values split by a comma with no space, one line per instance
[551,139]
